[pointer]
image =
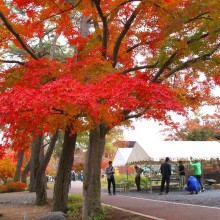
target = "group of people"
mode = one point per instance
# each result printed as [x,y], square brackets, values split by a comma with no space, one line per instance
[110,171]
[194,183]
[76,176]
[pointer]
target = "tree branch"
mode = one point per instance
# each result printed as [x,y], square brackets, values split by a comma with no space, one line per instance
[192,61]
[163,67]
[12,61]
[17,36]
[196,17]
[105,28]
[139,68]
[123,33]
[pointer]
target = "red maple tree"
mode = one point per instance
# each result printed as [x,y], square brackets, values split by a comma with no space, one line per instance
[129,59]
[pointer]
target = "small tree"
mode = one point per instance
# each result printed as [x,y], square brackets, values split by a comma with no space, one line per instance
[7,168]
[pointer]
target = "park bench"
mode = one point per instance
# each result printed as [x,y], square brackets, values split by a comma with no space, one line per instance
[123,185]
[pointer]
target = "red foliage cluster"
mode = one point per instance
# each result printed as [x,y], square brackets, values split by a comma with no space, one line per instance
[13,187]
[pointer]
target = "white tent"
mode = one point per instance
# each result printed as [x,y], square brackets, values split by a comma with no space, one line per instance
[175,150]
[121,157]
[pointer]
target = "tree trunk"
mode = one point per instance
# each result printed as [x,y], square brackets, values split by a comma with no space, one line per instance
[34,161]
[41,193]
[17,176]
[63,178]
[91,185]
[25,173]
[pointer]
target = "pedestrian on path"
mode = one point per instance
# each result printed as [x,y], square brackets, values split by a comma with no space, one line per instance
[182,175]
[109,171]
[137,174]
[197,172]
[165,170]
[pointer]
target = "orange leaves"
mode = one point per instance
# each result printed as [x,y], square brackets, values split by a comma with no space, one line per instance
[7,168]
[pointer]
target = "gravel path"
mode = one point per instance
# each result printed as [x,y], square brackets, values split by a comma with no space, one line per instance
[211,197]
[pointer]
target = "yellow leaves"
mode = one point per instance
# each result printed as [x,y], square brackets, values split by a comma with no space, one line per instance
[190,98]
[7,168]
[92,69]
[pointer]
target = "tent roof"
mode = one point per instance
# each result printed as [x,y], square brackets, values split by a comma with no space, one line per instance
[121,156]
[175,150]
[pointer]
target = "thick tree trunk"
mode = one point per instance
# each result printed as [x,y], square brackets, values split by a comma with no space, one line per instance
[63,178]
[17,176]
[91,185]
[41,193]
[34,161]
[25,173]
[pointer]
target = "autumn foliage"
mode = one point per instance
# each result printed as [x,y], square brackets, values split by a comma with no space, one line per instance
[13,187]
[137,59]
[7,168]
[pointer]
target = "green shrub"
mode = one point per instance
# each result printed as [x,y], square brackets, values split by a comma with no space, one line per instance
[74,205]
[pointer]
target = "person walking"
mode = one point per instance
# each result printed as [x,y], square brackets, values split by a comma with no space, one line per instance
[165,170]
[81,176]
[197,172]
[137,174]
[182,175]
[109,171]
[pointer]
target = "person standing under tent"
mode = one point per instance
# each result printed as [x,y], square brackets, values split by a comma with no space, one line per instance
[109,171]
[197,172]
[182,175]
[137,174]
[165,170]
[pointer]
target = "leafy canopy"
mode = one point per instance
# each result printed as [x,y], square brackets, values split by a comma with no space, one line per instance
[129,59]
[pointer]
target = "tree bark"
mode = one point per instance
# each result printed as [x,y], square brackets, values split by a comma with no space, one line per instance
[25,173]
[63,178]
[41,193]
[17,176]
[34,161]
[91,185]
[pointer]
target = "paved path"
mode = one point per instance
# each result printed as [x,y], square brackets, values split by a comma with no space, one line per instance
[156,209]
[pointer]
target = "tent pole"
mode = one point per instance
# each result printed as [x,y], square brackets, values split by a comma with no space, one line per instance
[150,178]
[127,171]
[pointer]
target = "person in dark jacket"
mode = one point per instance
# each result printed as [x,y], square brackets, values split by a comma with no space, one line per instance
[192,185]
[165,170]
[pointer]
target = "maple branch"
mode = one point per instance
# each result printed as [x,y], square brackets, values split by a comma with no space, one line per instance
[137,45]
[163,67]
[12,61]
[192,61]
[61,12]
[58,111]
[139,68]
[123,33]
[198,38]
[105,28]
[71,2]
[17,36]
[52,49]
[197,17]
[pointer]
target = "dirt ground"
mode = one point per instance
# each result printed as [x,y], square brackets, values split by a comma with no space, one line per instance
[17,212]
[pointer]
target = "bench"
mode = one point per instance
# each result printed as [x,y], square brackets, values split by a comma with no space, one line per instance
[210,181]
[122,185]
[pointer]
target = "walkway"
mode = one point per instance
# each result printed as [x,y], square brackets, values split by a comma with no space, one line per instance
[156,209]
